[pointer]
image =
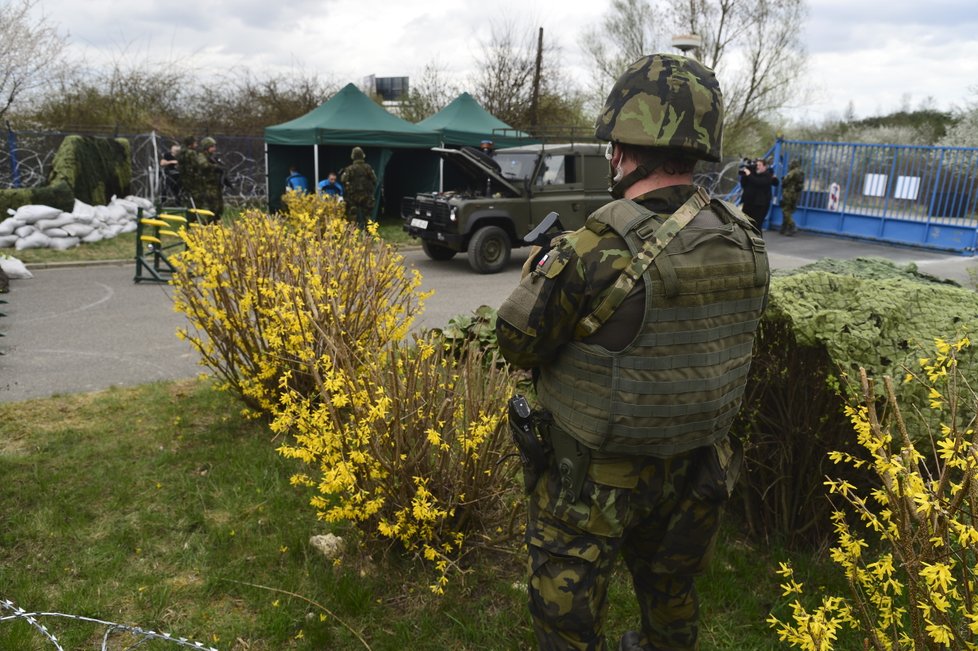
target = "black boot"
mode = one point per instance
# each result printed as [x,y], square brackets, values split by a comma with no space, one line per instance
[631,641]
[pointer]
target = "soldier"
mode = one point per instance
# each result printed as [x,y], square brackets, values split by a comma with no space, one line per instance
[791,187]
[210,189]
[359,185]
[188,163]
[639,327]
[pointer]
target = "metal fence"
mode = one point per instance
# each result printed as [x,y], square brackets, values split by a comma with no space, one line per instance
[905,194]
[26,158]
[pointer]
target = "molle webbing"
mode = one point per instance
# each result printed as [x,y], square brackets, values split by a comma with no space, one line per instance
[655,239]
[679,384]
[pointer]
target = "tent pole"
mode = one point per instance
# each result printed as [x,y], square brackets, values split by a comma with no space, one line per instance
[441,172]
[315,165]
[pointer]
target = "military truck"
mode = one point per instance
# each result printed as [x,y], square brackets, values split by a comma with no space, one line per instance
[496,200]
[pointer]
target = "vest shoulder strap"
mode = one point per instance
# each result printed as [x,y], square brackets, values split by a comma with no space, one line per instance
[652,245]
[762,270]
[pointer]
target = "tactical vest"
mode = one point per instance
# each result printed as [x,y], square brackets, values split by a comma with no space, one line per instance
[678,385]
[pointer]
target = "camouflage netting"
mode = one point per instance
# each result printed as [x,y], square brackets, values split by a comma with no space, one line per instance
[824,322]
[58,195]
[95,168]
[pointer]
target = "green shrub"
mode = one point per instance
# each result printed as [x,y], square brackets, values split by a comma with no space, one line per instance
[825,322]
[57,195]
[908,548]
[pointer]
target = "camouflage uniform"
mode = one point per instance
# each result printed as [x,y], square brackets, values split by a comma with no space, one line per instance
[359,185]
[210,175]
[660,511]
[188,162]
[791,188]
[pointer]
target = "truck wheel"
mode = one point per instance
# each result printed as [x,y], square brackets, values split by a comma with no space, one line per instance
[489,250]
[436,251]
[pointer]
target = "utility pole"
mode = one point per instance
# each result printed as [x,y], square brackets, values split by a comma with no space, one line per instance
[535,101]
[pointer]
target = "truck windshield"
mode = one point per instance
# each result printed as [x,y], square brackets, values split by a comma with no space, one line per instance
[516,166]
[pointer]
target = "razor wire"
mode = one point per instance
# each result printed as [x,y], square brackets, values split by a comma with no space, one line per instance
[26,158]
[140,634]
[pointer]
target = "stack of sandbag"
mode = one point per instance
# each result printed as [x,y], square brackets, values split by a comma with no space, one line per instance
[44,227]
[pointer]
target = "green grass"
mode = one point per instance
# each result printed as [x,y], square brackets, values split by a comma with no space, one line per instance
[123,247]
[161,506]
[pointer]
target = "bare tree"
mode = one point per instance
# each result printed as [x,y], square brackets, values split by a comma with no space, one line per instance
[31,52]
[754,47]
[506,81]
[429,94]
[629,30]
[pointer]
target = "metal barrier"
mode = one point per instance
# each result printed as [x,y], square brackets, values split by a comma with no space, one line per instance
[903,194]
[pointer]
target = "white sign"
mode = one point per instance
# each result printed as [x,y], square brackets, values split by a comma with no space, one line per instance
[907,187]
[874,185]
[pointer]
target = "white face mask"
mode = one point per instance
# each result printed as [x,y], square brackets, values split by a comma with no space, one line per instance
[616,172]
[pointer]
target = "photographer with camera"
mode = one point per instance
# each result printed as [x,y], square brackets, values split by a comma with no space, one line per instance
[756,182]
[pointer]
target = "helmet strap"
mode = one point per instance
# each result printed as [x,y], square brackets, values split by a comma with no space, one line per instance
[644,168]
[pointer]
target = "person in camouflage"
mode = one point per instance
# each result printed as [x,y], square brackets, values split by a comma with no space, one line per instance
[359,185]
[791,187]
[639,328]
[188,162]
[211,175]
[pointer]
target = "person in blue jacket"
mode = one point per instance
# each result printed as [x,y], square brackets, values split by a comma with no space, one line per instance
[331,187]
[296,180]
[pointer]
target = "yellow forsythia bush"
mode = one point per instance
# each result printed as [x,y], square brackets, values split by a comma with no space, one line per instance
[269,295]
[910,558]
[306,318]
[411,445]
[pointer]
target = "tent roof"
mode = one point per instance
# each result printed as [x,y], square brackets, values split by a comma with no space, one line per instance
[465,122]
[350,118]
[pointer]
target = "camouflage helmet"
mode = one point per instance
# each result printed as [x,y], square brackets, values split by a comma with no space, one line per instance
[357,154]
[795,163]
[665,100]
[207,142]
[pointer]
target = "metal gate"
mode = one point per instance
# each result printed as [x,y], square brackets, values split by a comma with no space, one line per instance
[904,194]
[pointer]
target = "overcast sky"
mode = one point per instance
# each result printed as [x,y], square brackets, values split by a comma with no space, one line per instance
[880,55]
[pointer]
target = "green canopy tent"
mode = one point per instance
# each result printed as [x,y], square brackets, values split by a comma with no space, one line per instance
[321,140]
[464,122]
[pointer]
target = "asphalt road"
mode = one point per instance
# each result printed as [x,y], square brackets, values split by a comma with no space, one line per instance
[86,328]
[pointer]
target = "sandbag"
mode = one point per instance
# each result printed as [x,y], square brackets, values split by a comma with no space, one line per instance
[55,232]
[129,206]
[32,212]
[25,230]
[57,222]
[62,243]
[83,212]
[78,229]
[142,202]
[129,227]
[94,236]
[36,240]
[14,268]
[9,225]
[6,241]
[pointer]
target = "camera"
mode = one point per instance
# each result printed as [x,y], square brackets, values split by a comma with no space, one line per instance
[747,165]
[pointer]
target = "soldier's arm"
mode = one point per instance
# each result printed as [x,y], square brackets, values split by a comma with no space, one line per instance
[541,314]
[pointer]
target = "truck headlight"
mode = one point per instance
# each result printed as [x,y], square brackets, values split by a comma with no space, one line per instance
[453,213]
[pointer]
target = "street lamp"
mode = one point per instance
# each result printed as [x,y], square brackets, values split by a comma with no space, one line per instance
[687,43]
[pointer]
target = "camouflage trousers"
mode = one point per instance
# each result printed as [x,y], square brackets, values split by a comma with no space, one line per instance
[358,213]
[661,515]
